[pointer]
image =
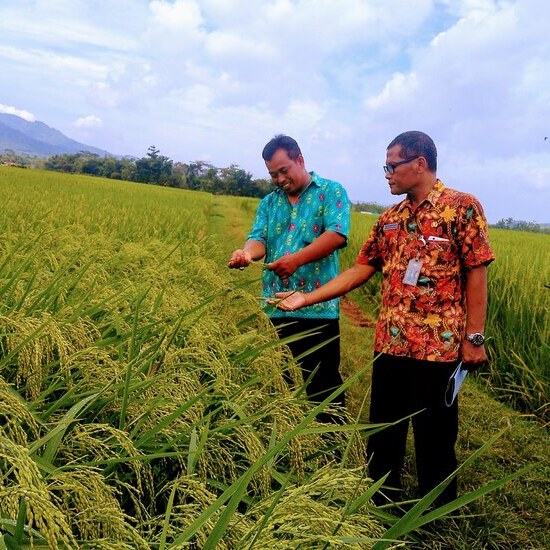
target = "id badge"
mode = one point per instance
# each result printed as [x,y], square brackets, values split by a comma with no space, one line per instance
[412,273]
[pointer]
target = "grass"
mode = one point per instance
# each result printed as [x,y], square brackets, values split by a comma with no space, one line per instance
[142,402]
[519,322]
[146,404]
[515,516]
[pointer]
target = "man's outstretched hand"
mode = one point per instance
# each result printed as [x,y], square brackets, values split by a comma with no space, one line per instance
[240,259]
[288,301]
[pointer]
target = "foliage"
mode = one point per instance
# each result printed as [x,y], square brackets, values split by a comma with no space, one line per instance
[521,225]
[143,402]
[93,165]
[518,321]
[513,517]
[142,398]
[154,168]
[158,169]
[11,158]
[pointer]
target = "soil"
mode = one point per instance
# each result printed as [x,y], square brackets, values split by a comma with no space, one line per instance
[354,313]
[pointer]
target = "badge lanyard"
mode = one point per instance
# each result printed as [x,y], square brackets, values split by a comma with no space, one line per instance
[414,266]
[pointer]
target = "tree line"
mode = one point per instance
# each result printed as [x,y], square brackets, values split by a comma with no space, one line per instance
[154,169]
[521,225]
[157,169]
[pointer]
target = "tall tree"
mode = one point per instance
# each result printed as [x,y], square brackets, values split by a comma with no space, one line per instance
[154,168]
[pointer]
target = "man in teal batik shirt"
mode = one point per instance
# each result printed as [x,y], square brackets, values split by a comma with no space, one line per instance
[298,230]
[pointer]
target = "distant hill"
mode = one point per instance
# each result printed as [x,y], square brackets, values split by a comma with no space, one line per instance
[38,139]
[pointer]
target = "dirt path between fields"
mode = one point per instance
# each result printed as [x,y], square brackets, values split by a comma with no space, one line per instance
[354,313]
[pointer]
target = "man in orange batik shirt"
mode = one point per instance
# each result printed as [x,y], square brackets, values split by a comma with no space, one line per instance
[433,250]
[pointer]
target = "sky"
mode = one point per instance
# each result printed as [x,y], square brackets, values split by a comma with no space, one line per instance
[214,80]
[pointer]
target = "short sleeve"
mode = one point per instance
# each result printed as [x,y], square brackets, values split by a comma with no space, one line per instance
[260,228]
[473,235]
[370,253]
[337,211]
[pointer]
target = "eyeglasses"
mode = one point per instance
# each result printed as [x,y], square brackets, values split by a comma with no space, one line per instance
[390,168]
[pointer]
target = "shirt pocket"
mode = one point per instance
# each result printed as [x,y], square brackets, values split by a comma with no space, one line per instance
[441,251]
[312,228]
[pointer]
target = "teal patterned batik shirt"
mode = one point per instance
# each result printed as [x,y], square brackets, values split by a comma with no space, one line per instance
[284,228]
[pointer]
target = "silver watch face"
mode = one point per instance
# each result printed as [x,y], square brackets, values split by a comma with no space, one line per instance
[477,339]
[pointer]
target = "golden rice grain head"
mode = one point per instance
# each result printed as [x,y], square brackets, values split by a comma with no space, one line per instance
[48,341]
[101,442]
[15,417]
[92,505]
[310,515]
[22,479]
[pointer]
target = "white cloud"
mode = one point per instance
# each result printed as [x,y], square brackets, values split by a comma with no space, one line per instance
[398,91]
[217,78]
[303,116]
[230,44]
[102,94]
[44,61]
[89,121]
[178,15]
[174,30]
[195,100]
[55,22]
[9,110]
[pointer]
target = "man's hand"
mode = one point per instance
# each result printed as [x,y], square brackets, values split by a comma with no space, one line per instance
[240,259]
[473,357]
[285,266]
[288,301]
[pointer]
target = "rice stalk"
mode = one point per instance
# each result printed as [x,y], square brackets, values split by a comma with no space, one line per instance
[309,515]
[93,507]
[17,421]
[23,481]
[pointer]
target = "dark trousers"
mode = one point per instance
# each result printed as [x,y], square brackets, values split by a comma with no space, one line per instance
[326,359]
[402,386]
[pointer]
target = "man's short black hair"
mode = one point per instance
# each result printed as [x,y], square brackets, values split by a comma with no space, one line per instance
[281,142]
[415,143]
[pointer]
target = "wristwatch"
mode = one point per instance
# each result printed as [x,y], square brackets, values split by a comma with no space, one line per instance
[476,338]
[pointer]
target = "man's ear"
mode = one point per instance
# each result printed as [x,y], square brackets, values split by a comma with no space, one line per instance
[421,165]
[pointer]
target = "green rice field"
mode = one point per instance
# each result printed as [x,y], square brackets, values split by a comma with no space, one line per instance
[144,400]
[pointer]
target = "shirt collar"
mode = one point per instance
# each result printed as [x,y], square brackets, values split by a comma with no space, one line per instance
[432,198]
[315,180]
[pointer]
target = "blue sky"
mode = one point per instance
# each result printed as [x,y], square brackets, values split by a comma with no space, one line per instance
[214,80]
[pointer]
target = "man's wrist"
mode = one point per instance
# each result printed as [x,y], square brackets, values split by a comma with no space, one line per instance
[475,338]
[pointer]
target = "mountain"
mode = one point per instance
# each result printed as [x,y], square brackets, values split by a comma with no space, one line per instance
[37,139]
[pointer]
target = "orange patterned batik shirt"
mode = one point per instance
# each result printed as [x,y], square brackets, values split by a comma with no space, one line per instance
[448,234]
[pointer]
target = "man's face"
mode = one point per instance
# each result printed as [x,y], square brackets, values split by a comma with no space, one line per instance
[287,174]
[405,177]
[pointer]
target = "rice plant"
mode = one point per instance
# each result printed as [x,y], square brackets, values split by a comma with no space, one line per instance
[519,321]
[144,402]
[139,386]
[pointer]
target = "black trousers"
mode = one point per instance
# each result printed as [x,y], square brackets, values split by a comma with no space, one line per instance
[326,359]
[402,386]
